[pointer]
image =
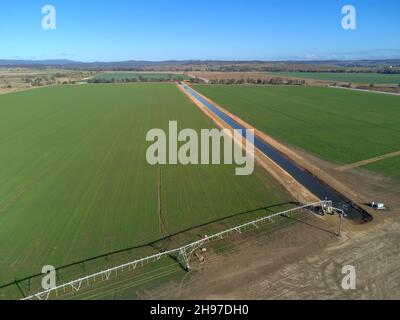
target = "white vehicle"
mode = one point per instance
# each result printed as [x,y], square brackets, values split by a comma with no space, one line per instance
[378,206]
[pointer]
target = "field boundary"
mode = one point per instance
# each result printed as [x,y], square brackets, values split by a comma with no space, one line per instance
[181,254]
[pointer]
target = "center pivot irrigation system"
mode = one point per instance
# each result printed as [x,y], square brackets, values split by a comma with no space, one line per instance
[182,254]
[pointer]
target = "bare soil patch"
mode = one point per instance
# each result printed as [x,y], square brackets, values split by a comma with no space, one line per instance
[303,261]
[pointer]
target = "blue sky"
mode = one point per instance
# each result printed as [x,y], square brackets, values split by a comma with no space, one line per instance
[112,30]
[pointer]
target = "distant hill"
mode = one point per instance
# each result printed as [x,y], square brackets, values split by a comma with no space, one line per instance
[19,63]
[133,64]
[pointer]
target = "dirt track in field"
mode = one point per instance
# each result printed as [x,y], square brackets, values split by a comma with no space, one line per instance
[368,161]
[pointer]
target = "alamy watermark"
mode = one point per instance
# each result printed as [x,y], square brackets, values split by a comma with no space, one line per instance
[49,281]
[349,21]
[49,19]
[225,147]
[350,278]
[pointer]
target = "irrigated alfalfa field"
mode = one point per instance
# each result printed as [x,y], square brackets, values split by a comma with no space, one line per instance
[75,183]
[340,126]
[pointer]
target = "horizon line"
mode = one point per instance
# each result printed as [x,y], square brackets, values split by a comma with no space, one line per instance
[199,60]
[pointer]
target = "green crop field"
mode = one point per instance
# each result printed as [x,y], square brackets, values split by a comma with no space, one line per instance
[75,183]
[137,76]
[362,78]
[337,125]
